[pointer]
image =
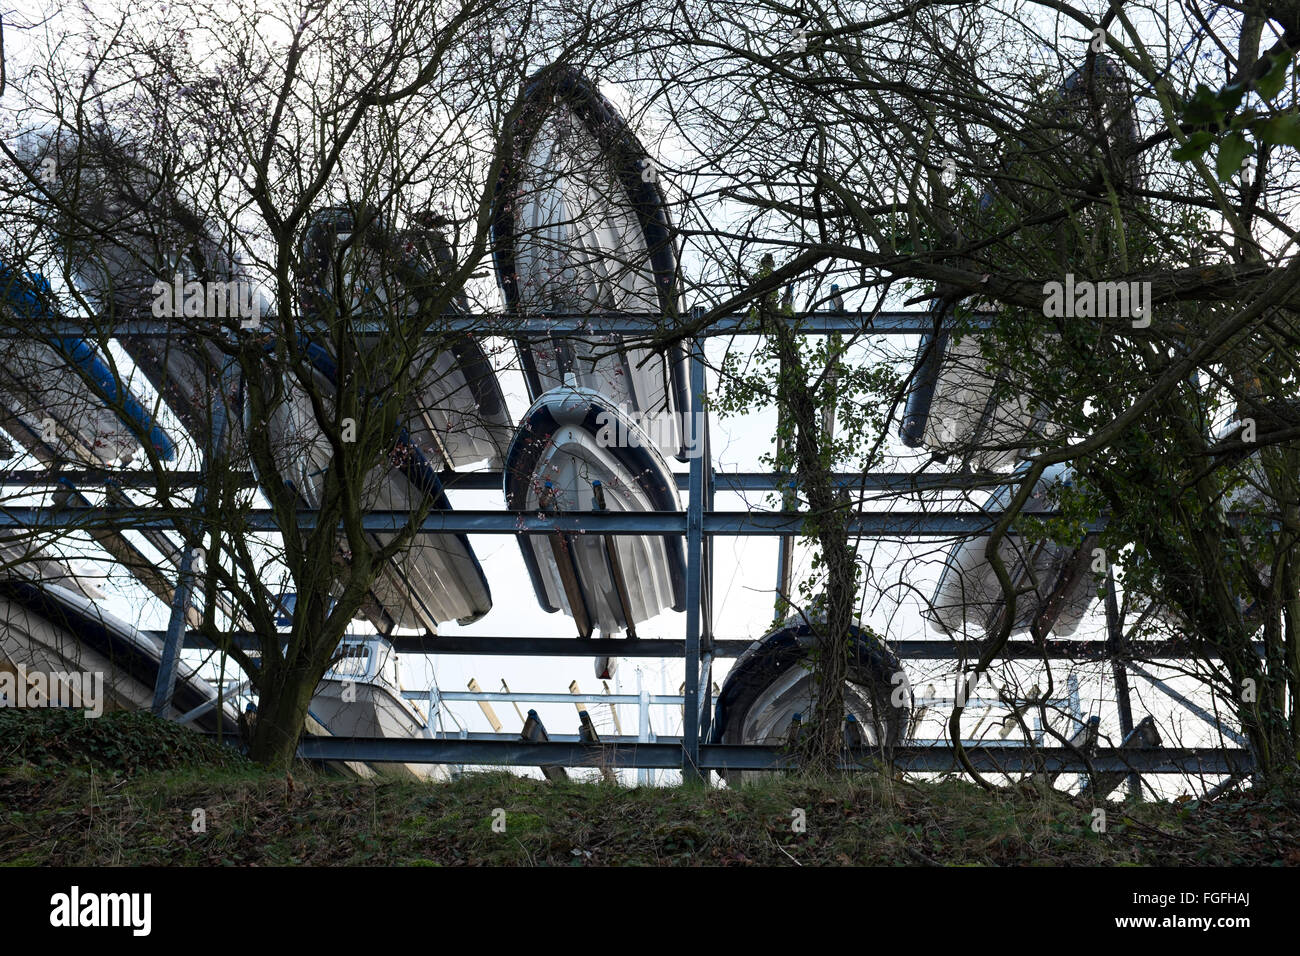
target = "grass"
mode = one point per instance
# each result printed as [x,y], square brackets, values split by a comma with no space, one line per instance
[124,789]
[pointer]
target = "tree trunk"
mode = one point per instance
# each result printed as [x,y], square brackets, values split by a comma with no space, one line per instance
[281,718]
[820,744]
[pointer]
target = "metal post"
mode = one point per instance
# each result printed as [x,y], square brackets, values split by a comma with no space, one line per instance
[694,573]
[165,685]
[1076,713]
[1115,644]
[643,725]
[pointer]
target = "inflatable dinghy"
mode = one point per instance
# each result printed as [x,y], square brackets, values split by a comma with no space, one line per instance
[768,693]
[959,401]
[580,225]
[576,452]
[1056,583]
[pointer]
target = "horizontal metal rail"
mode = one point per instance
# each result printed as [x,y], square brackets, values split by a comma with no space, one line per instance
[900,322]
[741,481]
[520,697]
[884,524]
[938,758]
[523,646]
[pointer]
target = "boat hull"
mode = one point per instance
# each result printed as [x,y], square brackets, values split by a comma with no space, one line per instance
[457,412]
[49,628]
[951,408]
[580,225]
[571,439]
[438,578]
[1056,583]
[772,682]
[64,394]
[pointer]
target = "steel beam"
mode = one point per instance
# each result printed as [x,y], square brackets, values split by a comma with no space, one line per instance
[165,685]
[901,482]
[690,751]
[498,646]
[573,324]
[884,524]
[667,755]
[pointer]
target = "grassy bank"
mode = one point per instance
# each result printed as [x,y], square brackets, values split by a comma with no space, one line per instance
[124,790]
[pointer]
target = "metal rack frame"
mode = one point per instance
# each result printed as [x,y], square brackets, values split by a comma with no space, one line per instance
[699,524]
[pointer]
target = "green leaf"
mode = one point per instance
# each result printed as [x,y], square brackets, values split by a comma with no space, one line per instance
[1270,84]
[1195,146]
[1203,109]
[1280,130]
[1232,151]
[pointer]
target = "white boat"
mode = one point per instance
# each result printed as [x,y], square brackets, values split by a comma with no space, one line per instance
[361,696]
[964,403]
[951,408]
[768,694]
[457,414]
[1056,583]
[580,225]
[576,452]
[56,628]
[438,578]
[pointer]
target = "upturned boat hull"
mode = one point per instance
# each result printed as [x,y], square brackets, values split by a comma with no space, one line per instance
[580,225]
[573,449]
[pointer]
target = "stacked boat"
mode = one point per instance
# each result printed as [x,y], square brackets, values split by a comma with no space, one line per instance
[581,227]
[964,402]
[52,628]
[361,696]
[67,403]
[456,414]
[770,693]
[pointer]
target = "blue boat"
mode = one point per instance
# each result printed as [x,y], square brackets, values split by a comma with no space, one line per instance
[62,393]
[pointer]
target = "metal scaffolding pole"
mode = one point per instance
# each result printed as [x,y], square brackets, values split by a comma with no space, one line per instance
[1115,639]
[165,685]
[690,757]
